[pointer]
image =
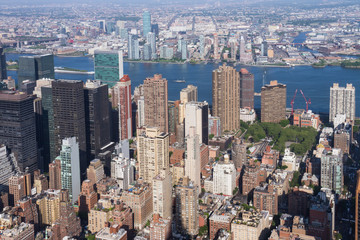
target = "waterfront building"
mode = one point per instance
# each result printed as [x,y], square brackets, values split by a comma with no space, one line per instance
[192,157]
[133,47]
[186,207]
[196,115]
[147,52]
[224,177]
[152,152]
[156,102]
[342,101]
[17,120]
[69,117]
[246,89]
[146,23]
[273,102]
[151,40]
[36,67]
[70,167]
[162,194]
[226,80]
[202,46]
[216,46]
[3,72]
[332,170]
[108,66]
[97,118]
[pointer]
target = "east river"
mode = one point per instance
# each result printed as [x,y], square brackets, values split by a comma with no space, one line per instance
[315,82]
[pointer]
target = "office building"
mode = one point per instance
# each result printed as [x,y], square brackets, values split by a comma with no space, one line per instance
[357,203]
[264,48]
[151,40]
[192,157]
[146,23]
[70,167]
[273,102]
[224,177]
[226,81]
[95,171]
[186,207]
[19,187]
[266,198]
[122,171]
[133,47]
[108,66]
[97,118]
[8,168]
[197,115]
[3,72]
[121,99]
[156,102]
[140,200]
[152,152]
[246,89]
[146,52]
[55,174]
[69,116]
[17,120]
[36,67]
[342,101]
[188,94]
[162,194]
[332,175]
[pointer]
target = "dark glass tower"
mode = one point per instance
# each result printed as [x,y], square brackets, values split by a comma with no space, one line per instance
[18,128]
[246,89]
[3,74]
[36,67]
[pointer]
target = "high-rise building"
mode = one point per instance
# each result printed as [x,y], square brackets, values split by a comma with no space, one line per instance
[264,48]
[343,137]
[273,102]
[36,67]
[49,207]
[152,152]
[214,126]
[3,73]
[224,177]
[151,39]
[8,168]
[188,94]
[108,66]
[88,196]
[146,23]
[357,203]
[122,171]
[238,153]
[197,115]
[133,47]
[141,112]
[55,174]
[18,134]
[246,89]
[202,46]
[121,99]
[266,198]
[156,102]
[146,52]
[183,49]
[186,207]
[19,187]
[332,175]
[70,166]
[97,118]
[162,193]
[160,228]
[342,101]
[226,97]
[216,46]
[69,116]
[192,157]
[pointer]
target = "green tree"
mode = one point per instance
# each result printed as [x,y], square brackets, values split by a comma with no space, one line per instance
[284,123]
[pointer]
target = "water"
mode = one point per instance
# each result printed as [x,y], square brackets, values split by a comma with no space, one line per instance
[315,82]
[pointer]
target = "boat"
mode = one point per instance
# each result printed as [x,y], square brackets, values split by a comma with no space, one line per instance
[179,81]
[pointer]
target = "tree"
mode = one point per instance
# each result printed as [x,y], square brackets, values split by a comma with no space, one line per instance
[211,136]
[295,180]
[284,123]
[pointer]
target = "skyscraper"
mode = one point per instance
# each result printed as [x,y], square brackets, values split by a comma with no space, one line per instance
[133,47]
[216,47]
[246,89]
[156,102]
[273,102]
[202,46]
[69,116]
[342,101]
[192,157]
[70,167]
[55,174]
[97,118]
[153,152]
[332,170]
[162,193]
[108,66]
[121,99]
[17,121]
[146,23]
[3,73]
[151,39]
[186,207]
[226,97]
[36,67]
[196,115]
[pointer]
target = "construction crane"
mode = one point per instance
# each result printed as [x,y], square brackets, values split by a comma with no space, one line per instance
[307,101]
[292,102]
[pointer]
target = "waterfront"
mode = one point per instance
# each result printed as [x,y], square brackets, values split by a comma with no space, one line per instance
[315,82]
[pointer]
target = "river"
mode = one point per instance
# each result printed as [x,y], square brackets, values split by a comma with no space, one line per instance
[315,82]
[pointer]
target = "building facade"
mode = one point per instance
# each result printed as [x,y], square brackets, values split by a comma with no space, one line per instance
[342,101]
[273,102]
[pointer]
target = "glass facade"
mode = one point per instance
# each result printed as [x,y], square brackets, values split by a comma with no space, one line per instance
[107,67]
[146,23]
